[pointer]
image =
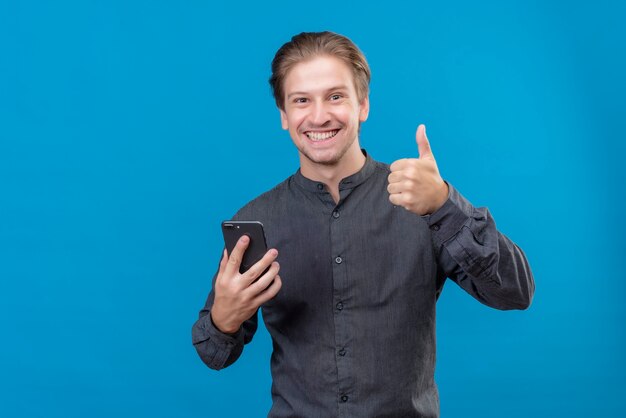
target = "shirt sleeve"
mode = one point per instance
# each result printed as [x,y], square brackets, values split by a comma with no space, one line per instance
[217,349]
[480,259]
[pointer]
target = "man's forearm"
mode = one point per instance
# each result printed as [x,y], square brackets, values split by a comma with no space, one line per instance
[483,261]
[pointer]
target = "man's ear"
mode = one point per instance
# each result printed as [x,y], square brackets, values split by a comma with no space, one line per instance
[283,119]
[364,110]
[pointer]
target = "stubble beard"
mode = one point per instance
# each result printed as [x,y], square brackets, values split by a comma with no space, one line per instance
[331,162]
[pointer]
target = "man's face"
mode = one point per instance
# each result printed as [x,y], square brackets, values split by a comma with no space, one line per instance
[322,111]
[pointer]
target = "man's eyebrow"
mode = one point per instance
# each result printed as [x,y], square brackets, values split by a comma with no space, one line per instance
[296,93]
[338,88]
[302,93]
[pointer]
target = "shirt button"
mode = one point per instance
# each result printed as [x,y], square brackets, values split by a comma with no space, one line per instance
[344,398]
[320,186]
[435,227]
[339,306]
[338,259]
[342,352]
[335,214]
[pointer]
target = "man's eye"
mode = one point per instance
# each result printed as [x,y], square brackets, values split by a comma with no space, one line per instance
[299,100]
[335,97]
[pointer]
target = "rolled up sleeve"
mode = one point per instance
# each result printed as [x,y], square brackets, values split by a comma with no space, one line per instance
[473,253]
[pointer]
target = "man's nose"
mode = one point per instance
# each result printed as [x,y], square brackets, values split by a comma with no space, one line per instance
[320,114]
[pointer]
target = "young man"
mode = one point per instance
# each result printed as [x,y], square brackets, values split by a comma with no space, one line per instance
[364,249]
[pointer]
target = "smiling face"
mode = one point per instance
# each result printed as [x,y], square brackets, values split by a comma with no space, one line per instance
[322,113]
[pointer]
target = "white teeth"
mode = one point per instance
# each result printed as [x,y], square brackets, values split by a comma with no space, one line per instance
[321,136]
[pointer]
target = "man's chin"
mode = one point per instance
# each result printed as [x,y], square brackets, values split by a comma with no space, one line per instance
[331,157]
[323,160]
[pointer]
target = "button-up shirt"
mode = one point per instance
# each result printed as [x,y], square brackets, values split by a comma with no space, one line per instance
[353,326]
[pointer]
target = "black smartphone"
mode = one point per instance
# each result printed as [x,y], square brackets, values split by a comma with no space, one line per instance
[233,230]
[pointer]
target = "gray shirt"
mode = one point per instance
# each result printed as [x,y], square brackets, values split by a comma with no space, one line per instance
[353,326]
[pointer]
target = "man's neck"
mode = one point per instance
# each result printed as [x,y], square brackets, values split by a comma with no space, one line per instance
[331,175]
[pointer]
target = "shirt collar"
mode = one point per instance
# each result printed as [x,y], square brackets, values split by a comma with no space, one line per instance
[347,183]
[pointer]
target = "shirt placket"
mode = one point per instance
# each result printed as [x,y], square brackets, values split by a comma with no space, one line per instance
[342,306]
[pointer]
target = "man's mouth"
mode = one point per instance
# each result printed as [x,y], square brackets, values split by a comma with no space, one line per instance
[321,136]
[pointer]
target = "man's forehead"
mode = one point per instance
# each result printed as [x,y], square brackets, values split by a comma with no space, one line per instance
[319,73]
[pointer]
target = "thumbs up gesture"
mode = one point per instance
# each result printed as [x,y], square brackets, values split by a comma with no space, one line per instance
[415,183]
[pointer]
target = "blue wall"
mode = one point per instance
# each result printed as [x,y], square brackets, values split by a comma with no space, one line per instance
[130,129]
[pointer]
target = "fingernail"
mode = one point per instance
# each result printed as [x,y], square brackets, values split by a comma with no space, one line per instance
[274,252]
[245,239]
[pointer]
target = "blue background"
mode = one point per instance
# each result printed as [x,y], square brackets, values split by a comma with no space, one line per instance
[129,130]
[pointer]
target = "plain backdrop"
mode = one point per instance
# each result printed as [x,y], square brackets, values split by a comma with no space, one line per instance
[130,129]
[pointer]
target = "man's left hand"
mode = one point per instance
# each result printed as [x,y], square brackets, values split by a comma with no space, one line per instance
[415,183]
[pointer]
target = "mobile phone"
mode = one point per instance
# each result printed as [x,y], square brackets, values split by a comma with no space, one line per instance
[257,247]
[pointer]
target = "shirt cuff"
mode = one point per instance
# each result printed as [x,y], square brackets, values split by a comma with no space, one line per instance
[449,219]
[210,331]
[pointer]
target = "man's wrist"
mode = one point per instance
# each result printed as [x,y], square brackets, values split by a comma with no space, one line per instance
[442,198]
[223,330]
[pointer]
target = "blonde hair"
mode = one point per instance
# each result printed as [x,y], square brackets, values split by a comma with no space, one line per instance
[308,45]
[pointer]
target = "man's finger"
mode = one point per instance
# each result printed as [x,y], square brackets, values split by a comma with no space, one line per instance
[270,292]
[223,263]
[395,177]
[398,164]
[423,146]
[259,267]
[396,199]
[393,188]
[265,280]
[236,255]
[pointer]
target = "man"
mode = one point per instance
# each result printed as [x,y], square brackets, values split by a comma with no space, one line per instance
[364,249]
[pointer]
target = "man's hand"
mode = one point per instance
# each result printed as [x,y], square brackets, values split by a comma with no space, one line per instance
[238,296]
[415,183]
